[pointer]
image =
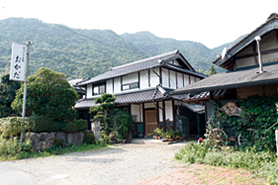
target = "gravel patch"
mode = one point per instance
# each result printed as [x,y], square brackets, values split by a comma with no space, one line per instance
[119,164]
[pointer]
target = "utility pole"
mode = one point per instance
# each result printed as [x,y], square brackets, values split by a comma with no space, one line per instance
[25,89]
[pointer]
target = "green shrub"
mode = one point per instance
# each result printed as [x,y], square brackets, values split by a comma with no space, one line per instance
[46,124]
[76,126]
[89,138]
[58,142]
[26,146]
[192,153]
[11,126]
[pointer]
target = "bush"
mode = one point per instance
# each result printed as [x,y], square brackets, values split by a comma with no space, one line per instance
[261,163]
[76,126]
[89,138]
[11,126]
[46,124]
[58,142]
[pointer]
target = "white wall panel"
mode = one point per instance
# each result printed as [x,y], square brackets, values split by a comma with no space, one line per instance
[89,91]
[160,111]
[149,105]
[117,85]
[154,77]
[186,79]
[192,79]
[176,63]
[168,110]
[165,77]
[144,79]
[109,86]
[130,78]
[135,111]
[141,112]
[173,79]
[180,80]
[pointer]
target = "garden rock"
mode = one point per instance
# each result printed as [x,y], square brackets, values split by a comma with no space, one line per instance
[35,140]
[75,138]
[62,136]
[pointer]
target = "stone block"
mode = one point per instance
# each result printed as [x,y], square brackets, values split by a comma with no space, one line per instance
[75,138]
[35,141]
[62,136]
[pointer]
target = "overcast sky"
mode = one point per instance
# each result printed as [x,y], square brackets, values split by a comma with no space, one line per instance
[211,22]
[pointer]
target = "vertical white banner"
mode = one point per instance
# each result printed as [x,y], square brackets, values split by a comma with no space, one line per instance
[18,62]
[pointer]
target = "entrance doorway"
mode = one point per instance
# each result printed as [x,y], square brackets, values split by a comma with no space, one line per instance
[151,122]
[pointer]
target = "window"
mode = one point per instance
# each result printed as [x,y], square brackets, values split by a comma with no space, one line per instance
[133,85]
[99,89]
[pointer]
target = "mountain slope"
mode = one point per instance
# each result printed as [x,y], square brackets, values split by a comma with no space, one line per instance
[81,53]
[196,53]
[75,52]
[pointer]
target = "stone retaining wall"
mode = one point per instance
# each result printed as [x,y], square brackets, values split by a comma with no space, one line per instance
[45,139]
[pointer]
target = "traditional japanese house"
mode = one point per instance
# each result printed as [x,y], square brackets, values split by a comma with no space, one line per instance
[142,87]
[252,69]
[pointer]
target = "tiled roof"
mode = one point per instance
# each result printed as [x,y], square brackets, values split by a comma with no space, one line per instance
[140,65]
[133,97]
[233,79]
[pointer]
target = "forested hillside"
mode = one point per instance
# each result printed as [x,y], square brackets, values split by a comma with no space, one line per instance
[81,53]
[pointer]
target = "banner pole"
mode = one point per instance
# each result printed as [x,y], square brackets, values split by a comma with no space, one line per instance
[25,90]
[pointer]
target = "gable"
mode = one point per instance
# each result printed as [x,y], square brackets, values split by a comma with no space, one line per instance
[244,53]
[248,57]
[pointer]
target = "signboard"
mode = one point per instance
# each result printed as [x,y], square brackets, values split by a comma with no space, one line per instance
[18,62]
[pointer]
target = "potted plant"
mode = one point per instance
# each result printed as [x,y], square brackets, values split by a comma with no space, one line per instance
[170,135]
[158,132]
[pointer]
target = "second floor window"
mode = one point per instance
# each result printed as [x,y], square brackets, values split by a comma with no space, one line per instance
[98,89]
[133,85]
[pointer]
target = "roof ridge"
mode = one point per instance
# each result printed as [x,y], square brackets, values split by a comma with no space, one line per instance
[146,59]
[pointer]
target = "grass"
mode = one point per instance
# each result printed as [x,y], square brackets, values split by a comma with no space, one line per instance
[263,164]
[53,151]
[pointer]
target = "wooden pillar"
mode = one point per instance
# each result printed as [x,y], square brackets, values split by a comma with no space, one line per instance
[157,114]
[174,116]
[164,116]
[144,119]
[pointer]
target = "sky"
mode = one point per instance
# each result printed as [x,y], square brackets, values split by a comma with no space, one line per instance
[210,22]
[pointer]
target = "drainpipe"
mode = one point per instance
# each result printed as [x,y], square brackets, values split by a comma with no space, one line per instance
[258,39]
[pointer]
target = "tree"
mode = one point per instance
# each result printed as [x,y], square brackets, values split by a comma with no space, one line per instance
[7,95]
[48,94]
[106,103]
[211,71]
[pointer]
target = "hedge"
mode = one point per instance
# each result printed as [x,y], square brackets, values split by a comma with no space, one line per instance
[46,124]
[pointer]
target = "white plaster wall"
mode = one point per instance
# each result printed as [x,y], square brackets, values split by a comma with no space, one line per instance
[180,80]
[173,79]
[130,78]
[135,111]
[160,112]
[168,110]
[176,63]
[144,79]
[165,77]
[154,77]
[149,105]
[141,109]
[109,86]
[186,80]
[117,85]
[89,91]
[192,79]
